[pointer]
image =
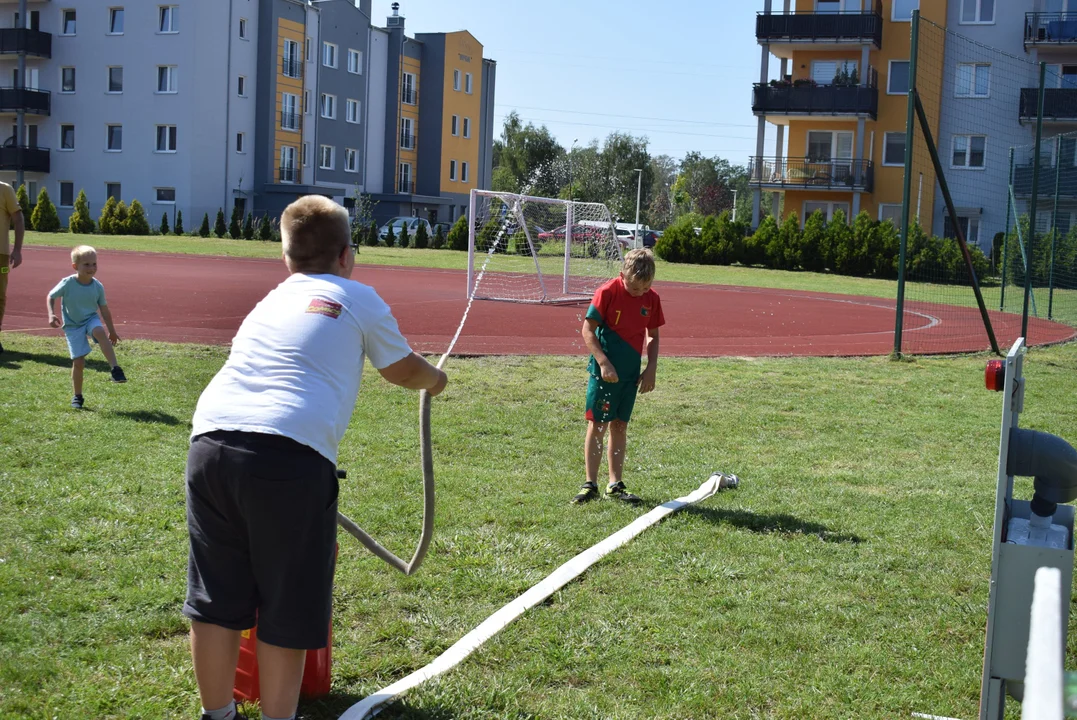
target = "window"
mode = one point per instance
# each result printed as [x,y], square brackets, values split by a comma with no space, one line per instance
[467,83]
[828,208]
[291,66]
[112,190]
[467,127]
[166,195]
[289,118]
[355,62]
[973,80]
[287,164]
[241,139]
[407,89]
[166,79]
[35,20]
[306,50]
[326,157]
[241,86]
[67,137]
[969,151]
[897,80]
[827,145]
[115,21]
[890,212]
[329,55]
[352,111]
[329,106]
[67,194]
[452,170]
[826,72]
[902,10]
[166,138]
[463,172]
[455,124]
[350,164]
[115,79]
[894,149]
[306,154]
[306,102]
[407,140]
[67,26]
[243,28]
[67,80]
[405,178]
[114,138]
[977,11]
[455,79]
[168,19]
[970,227]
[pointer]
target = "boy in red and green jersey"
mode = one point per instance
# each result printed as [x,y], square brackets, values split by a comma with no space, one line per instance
[621,324]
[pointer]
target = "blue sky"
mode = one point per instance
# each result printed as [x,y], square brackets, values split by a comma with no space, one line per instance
[679,73]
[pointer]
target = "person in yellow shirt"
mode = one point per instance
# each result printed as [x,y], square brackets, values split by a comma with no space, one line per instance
[10,256]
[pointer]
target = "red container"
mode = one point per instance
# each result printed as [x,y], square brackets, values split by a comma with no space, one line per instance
[316,672]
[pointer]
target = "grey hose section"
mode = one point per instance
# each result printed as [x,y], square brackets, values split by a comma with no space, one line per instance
[428,502]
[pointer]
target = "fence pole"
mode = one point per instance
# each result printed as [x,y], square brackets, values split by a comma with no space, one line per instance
[906,193]
[1035,198]
[1006,239]
[1054,228]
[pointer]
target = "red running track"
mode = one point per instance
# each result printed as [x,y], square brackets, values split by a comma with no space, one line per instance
[198,299]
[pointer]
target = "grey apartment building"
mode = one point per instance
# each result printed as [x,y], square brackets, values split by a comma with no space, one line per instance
[200,105]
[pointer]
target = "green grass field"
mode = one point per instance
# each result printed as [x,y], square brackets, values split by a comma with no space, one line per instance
[846,578]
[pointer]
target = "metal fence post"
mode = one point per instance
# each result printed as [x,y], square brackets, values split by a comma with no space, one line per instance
[1035,199]
[906,193]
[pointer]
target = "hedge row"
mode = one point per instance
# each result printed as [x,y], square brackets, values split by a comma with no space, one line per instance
[867,249]
[1053,261]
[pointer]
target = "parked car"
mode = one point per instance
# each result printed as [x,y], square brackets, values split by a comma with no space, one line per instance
[445,228]
[398,224]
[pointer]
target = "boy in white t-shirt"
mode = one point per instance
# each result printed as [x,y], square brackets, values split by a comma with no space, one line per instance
[261,470]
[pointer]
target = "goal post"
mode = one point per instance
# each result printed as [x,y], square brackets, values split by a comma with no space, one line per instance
[523,248]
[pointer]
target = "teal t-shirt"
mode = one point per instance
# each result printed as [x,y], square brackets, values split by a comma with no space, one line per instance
[79,302]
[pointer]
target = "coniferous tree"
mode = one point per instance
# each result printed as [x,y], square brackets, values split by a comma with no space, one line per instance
[179,222]
[44,217]
[219,228]
[248,227]
[203,230]
[164,229]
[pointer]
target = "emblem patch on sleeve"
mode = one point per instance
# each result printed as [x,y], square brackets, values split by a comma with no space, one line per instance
[325,307]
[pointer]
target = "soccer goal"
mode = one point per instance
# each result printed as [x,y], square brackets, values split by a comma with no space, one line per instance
[538,250]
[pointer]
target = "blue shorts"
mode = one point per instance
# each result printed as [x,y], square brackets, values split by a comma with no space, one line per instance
[79,336]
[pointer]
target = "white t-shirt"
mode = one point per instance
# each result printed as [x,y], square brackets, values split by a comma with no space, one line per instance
[297,361]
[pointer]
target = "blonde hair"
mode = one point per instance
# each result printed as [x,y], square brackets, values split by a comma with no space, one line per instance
[639,265]
[80,253]
[314,230]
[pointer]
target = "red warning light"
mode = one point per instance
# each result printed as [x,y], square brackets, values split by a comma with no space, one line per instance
[995,375]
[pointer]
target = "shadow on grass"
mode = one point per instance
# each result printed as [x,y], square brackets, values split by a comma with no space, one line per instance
[148,416]
[771,524]
[12,359]
[333,705]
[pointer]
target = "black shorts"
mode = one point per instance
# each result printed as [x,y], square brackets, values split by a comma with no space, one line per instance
[262,516]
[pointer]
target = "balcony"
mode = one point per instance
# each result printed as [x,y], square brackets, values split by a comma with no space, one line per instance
[1066,177]
[786,32]
[24,40]
[291,121]
[1059,104]
[291,67]
[21,157]
[409,96]
[34,102]
[288,174]
[1043,29]
[775,173]
[407,142]
[804,97]
[405,186]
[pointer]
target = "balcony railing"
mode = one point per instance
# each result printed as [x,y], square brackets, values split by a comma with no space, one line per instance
[32,42]
[36,102]
[291,120]
[821,27]
[30,159]
[292,67]
[409,96]
[807,98]
[407,142]
[288,174]
[1059,104]
[405,186]
[1049,173]
[790,174]
[1050,28]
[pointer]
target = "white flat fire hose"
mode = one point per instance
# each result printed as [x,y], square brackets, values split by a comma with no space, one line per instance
[373,704]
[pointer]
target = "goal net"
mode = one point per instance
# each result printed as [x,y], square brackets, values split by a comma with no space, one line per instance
[538,250]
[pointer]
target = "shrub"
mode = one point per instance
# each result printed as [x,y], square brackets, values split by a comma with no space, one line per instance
[838,234]
[136,220]
[119,227]
[390,237]
[422,237]
[851,252]
[248,227]
[457,238]
[235,224]
[265,232]
[108,217]
[80,220]
[885,243]
[24,203]
[179,222]
[405,239]
[811,242]
[439,238]
[755,246]
[677,243]
[783,252]
[203,229]
[44,217]
[164,229]
[372,234]
[219,228]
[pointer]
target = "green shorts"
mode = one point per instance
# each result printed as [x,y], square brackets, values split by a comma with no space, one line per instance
[611,401]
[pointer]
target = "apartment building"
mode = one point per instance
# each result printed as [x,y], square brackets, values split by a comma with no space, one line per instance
[275,99]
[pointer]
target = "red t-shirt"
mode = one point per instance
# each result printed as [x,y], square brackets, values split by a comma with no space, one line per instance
[626,317]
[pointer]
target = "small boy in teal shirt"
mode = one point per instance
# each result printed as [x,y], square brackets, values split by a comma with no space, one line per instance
[82,298]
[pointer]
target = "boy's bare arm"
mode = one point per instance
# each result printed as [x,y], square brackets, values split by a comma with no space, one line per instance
[590,340]
[647,379]
[106,315]
[54,319]
[415,373]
